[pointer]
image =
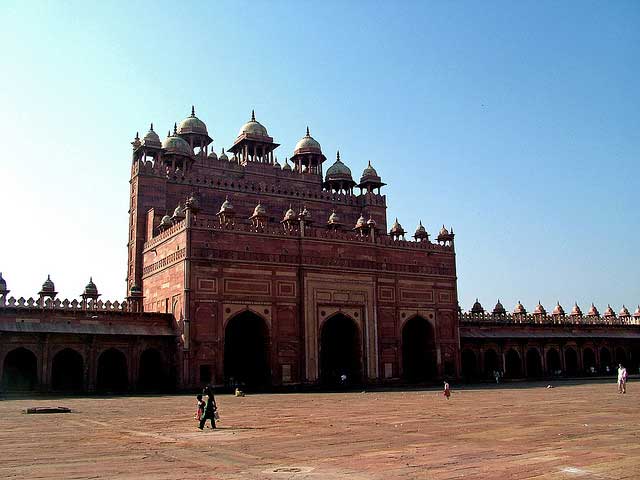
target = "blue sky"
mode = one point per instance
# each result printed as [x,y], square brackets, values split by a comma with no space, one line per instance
[516,122]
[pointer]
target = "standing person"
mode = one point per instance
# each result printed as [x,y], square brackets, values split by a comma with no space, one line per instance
[447,390]
[496,374]
[622,379]
[200,404]
[209,409]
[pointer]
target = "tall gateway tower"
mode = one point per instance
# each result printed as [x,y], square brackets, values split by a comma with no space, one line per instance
[284,273]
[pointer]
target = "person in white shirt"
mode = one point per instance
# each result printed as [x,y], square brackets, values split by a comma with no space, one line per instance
[622,379]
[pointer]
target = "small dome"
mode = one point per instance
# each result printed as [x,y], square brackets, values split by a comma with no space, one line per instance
[593,311]
[307,144]
[371,223]
[135,290]
[636,314]
[539,310]
[624,312]
[48,286]
[305,214]
[361,223]
[519,310]
[151,139]
[499,309]
[338,171]
[178,213]
[443,231]
[3,283]
[396,228]
[192,124]
[609,312]
[286,165]
[369,171]
[558,310]
[212,155]
[333,218]
[420,230]
[252,127]
[223,156]
[477,308]
[226,206]
[90,289]
[259,210]
[575,311]
[276,164]
[289,215]
[166,221]
[176,145]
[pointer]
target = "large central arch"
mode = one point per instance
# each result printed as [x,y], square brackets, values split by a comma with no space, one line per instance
[20,370]
[246,352]
[418,350]
[340,350]
[113,374]
[67,371]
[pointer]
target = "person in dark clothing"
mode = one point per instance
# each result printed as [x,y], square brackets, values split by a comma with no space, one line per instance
[209,409]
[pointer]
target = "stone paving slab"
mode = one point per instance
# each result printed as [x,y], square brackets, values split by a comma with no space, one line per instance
[573,431]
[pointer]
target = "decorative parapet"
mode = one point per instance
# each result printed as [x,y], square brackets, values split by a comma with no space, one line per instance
[531,319]
[65,305]
[169,232]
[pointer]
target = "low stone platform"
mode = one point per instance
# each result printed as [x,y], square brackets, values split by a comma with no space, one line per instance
[521,431]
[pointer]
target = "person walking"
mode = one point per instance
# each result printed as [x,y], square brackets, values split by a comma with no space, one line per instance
[209,409]
[622,379]
[447,390]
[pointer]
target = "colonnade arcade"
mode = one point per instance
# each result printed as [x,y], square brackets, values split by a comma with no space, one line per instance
[74,368]
[547,359]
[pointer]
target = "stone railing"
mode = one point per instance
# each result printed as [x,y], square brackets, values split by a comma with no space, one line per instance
[531,319]
[57,304]
[164,235]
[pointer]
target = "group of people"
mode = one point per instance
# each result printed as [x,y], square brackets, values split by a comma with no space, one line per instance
[206,410]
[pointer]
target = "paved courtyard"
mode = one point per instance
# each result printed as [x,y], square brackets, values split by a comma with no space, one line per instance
[526,431]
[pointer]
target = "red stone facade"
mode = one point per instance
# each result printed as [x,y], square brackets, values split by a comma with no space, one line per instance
[248,254]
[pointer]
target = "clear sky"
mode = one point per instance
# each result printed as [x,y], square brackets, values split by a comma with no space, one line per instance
[516,122]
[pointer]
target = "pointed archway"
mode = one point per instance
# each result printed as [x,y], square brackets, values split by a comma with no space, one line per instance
[513,364]
[621,356]
[113,375]
[588,359]
[340,351]
[246,352]
[605,360]
[418,350]
[492,363]
[554,365]
[152,371]
[67,371]
[20,370]
[469,364]
[570,361]
[534,363]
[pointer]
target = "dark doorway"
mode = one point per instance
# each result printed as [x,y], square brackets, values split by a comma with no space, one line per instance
[113,375]
[589,360]
[246,352]
[469,369]
[492,363]
[20,370]
[340,351]
[605,360]
[534,363]
[570,361]
[418,350]
[152,375]
[621,356]
[554,365]
[67,371]
[513,364]
[634,360]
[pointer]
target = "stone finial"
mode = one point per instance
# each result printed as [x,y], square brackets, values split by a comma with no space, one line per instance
[253,115]
[175,128]
[193,111]
[308,135]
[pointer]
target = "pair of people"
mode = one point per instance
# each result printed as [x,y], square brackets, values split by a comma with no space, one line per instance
[622,379]
[207,410]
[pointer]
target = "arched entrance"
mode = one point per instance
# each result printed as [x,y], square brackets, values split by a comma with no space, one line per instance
[570,361]
[152,371]
[491,363]
[112,371]
[340,351]
[554,365]
[634,360]
[513,364]
[246,352]
[469,368]
[589,360]
[534,363]
[67,371]
[418,350]
[20,370]
[605,360]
